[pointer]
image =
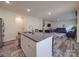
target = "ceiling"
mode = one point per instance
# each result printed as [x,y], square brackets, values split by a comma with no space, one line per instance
[40,9]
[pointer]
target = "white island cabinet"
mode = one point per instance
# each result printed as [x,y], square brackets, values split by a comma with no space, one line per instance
[36,45]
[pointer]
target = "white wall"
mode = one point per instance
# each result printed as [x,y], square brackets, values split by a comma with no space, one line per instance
[15,23]
[12,25]
[32,22]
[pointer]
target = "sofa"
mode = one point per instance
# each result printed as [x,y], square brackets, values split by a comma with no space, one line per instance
[70,34]
[60,30]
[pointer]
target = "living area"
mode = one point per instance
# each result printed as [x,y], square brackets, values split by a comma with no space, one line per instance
[67,25]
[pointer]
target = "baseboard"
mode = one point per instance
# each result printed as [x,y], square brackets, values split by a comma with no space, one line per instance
[8,42]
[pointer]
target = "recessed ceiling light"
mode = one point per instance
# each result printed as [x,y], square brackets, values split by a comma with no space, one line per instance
[28,10]
[8,2]
[49,13]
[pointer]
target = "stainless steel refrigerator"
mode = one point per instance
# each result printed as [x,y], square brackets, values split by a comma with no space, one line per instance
[1,32]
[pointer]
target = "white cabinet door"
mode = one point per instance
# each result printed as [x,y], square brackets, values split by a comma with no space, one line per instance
[31,52]
[28,46]
[31,47]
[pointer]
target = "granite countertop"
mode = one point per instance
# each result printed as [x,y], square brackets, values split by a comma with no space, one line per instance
[41,36]
[38,36]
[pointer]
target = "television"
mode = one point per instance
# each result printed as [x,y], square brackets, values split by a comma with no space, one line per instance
[48,25]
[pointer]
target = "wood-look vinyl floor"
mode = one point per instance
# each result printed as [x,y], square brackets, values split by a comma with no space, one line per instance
[11,49]
[63,47]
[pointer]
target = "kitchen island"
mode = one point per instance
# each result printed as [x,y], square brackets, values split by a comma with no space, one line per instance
[37,44]
[42,44]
